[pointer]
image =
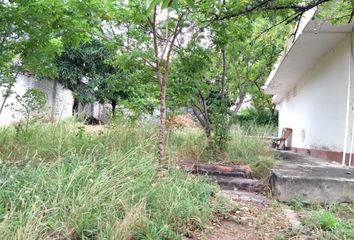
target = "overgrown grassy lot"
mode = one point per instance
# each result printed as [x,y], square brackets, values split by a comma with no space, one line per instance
[63,181]
[67,181]
[59,182]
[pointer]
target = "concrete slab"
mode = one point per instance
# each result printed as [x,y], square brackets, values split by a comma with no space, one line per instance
[232,183]
[311,180]
[246,196]
[292,217]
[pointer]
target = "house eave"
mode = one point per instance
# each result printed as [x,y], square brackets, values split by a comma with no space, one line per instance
[315,40]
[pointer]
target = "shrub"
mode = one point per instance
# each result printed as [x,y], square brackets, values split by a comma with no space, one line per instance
[252,116]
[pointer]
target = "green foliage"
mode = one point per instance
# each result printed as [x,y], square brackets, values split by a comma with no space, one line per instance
[83,69]
[262,168]
[172,216]
[36,31]
[325,220]
[219,119]
[337,12]
[30,106]
[248,146]
[31,103]
[296,204]
[105,51]
[198,73]
[94,72]
[250,116]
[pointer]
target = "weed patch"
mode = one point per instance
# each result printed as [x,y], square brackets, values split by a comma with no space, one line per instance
[64,183]
[247,146]
[334,221]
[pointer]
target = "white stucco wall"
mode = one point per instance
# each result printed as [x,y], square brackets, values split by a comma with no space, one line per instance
[316,107]
[59,100]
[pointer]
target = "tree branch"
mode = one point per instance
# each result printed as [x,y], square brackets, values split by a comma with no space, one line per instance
[270,5]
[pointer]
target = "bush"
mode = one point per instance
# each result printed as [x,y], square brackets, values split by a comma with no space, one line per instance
[250,116]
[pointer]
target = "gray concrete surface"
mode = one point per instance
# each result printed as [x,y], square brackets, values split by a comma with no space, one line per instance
[246,196]
[235,183]
[311,180]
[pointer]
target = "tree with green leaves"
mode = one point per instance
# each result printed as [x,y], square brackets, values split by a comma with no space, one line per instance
[214,80]
[217,50]
[83,69]
[246,41]
[163,28]
[33,33]
[95,71]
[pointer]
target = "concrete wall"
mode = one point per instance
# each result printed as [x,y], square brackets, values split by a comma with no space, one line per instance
[101,112]
[316,107]
[59,100]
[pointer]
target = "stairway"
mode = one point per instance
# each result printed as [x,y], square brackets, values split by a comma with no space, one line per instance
[234,177]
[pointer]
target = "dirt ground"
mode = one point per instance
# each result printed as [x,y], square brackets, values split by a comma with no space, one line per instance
[94,129]
[251,221]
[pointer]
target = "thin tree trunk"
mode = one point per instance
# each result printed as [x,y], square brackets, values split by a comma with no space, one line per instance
[168,48]
[161,140]
[114,106]
[75,106]
[205,114]
[202,120]
[3,103]
[8,92]
[223,77]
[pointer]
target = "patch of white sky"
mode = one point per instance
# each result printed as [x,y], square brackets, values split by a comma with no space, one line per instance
[163,18]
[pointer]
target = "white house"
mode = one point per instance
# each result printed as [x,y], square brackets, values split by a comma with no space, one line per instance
[312,85]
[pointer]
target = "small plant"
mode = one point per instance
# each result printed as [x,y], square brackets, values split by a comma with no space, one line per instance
[30,105]
[32,102]
[262,168]
[80,132]
[325,220]
[296,204]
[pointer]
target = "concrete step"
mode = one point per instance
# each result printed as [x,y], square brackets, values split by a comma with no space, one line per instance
[232,183]
[246,196]
[312,184]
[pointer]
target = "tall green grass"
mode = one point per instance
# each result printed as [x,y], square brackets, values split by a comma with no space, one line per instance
[59,182]
[246,146]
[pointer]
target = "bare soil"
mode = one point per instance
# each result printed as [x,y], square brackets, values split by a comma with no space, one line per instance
[94,129]
[252,221]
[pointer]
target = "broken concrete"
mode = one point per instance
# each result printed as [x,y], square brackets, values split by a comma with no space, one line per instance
[232,177]
[246,196]
[234,183]
[292,217]
[219,170]
[311,180]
